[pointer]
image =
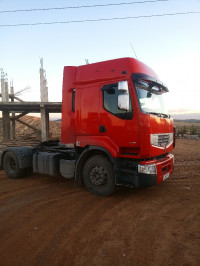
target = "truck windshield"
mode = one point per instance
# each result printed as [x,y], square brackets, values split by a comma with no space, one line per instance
[151,98]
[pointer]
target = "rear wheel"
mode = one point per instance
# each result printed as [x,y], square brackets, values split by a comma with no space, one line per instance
[98,175]
[11,165]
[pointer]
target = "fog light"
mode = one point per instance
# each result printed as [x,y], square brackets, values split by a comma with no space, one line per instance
[147,169]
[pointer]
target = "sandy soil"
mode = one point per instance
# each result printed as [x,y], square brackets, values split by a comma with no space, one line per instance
[47,221]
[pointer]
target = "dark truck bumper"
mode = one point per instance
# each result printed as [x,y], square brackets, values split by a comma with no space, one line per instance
[135,173]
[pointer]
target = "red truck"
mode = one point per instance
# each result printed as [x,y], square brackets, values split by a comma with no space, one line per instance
[115,131]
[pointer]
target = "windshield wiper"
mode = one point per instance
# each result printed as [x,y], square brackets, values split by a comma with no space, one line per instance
[160,114]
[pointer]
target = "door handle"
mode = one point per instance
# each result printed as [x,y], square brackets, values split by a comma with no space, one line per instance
[102,129]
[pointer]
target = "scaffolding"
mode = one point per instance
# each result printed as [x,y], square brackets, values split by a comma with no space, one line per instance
[13,108]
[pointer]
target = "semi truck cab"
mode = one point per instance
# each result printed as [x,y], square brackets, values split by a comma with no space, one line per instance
[119,106]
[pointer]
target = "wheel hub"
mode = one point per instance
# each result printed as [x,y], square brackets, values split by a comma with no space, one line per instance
[98,176]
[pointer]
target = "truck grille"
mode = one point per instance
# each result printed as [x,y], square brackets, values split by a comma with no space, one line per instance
[161,140]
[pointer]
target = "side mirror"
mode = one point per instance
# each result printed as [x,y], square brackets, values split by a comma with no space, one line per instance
[123,102]
[123,86]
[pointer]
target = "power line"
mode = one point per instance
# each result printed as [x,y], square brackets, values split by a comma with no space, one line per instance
[98,20]
[76,7]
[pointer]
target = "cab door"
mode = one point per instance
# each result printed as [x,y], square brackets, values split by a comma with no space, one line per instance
[120,126]
[87,111]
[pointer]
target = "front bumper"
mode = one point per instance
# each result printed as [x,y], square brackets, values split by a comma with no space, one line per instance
[127,171]
[164,168]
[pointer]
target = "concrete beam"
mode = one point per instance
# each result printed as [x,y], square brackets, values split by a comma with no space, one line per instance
[31,107]
[16,117]
[26,124]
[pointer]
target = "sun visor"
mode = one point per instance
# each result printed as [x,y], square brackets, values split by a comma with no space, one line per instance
[154,81]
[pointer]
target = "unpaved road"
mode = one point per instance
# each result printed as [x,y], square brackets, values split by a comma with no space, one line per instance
[47,221]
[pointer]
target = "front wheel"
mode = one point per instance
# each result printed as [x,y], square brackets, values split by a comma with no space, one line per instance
[98,176]
[11,165]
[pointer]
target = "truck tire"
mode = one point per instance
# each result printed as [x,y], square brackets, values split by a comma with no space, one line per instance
[98,176]
[11,165]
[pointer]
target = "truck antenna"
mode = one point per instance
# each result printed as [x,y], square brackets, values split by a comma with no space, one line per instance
[133,51]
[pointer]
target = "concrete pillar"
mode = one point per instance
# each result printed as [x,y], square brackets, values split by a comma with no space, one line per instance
[6,91]
[6,125]
[43,84]
[3,94]
[13,113]
[44,98]
[5,114]
[44,124]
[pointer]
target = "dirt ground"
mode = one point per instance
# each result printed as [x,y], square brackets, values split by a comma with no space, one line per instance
[47,221]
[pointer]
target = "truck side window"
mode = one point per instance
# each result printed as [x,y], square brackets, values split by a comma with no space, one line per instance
[110,101]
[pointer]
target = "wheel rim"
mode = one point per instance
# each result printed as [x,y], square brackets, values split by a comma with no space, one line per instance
[98,176]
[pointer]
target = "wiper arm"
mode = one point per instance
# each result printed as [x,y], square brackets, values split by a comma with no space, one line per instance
[160,114]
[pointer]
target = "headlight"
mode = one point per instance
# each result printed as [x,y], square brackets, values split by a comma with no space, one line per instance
[147,169]
[171,136]
[154,139]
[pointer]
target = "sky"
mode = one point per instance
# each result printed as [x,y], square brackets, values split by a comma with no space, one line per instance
[170,45]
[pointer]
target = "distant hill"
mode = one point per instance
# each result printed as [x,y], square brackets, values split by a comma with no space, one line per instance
[192,116]
[189,121]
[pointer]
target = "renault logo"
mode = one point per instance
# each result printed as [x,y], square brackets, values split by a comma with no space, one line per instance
[165,147]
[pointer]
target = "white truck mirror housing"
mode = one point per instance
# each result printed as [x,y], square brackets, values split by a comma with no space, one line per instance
[123,102]
[123,86]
